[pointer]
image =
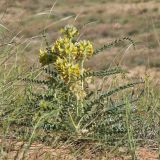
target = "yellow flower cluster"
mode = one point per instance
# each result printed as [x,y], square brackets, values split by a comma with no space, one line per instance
[84,49]
[78,90]
[45,57]
[64,47]
[69,31]
[67,55]
[69,72]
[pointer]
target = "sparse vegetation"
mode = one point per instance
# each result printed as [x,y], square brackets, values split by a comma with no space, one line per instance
[79,102]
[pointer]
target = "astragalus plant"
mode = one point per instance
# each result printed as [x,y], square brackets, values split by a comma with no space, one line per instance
[63,104]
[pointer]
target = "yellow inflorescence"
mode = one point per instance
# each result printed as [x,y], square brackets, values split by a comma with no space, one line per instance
[85,49]
[67,55]
[69,31]
[78,90]
[45,57]
[64,47]
[68,71]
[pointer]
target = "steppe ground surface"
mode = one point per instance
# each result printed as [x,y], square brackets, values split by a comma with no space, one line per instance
[101,21]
